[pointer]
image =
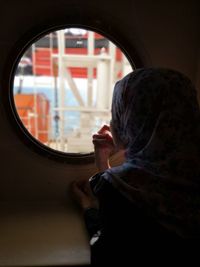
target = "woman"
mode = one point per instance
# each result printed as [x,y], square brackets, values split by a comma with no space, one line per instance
[155,194]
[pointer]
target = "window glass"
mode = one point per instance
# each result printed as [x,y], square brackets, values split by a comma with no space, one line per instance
[63,87]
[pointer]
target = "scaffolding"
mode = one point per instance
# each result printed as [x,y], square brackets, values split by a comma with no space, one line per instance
[104,64]
[37,82]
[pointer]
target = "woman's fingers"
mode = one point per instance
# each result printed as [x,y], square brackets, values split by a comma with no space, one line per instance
[82,187]
[104,128]
[105,136]
[102,142]
[83,194]
[103,147]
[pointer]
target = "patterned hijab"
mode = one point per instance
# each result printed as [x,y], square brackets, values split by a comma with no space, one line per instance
[156,116]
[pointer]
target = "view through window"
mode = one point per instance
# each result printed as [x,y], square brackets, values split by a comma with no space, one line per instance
[63,87]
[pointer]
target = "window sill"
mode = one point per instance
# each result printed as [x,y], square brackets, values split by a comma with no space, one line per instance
[41,234]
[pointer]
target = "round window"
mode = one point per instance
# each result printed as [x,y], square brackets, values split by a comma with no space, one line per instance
[63,87]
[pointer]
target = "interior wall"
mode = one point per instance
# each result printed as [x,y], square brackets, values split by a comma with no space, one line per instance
[35,230]
[163,33]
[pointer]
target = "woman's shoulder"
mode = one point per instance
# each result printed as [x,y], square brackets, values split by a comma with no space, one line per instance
[130,175]
[121,176]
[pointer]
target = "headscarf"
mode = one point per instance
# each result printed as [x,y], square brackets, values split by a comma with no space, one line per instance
[156,116]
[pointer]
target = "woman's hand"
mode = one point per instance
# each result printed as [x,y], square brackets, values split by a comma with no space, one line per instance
[83,194]
[103,147]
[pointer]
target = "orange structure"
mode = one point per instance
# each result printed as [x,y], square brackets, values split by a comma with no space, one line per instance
[33,111]
[42,61]
[41,57]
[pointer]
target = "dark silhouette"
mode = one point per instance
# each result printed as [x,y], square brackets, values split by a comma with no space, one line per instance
[154,196]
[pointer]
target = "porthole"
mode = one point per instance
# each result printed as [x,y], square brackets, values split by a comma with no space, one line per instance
[62,87]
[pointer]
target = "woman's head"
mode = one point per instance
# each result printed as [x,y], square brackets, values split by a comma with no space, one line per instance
[156,116]
[151,106]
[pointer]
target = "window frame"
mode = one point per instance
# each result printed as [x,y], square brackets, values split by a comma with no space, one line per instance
[15,55]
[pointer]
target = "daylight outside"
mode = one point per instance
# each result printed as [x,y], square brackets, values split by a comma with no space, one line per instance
[63,87]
